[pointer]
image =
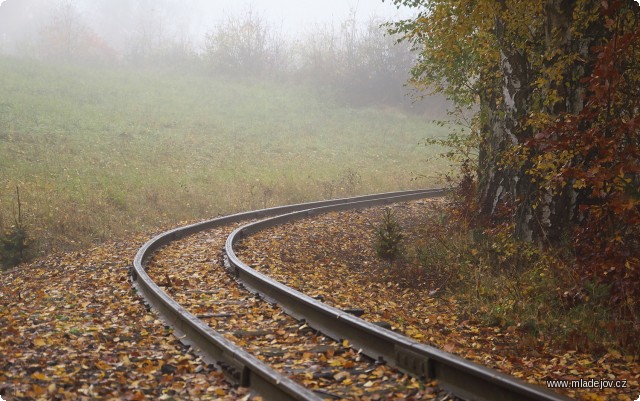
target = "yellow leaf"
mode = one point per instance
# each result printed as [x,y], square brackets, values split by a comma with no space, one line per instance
[39,376]
[341,375]
[593,397]
[37,390]
[614,353]
[348,364]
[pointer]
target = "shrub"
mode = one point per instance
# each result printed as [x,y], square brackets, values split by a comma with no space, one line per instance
[13,241]
[389,237]
[13,244]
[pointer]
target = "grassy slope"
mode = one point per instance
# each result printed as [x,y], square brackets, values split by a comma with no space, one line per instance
[99,153]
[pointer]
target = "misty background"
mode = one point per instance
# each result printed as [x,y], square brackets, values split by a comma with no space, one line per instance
[119,116]
[337,47]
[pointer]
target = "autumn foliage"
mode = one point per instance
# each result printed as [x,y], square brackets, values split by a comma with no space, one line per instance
[556,87]
[600,154]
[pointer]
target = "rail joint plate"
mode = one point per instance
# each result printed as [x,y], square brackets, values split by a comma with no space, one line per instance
[413,362]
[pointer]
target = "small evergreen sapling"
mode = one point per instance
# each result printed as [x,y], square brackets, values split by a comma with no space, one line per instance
[388,237]
[13,241]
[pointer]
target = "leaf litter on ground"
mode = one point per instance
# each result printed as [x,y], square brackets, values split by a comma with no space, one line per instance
[73,328]
[192,271]
[332,256]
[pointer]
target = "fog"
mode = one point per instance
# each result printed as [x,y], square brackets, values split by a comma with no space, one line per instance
[116,21]
[337,45]
[119,115]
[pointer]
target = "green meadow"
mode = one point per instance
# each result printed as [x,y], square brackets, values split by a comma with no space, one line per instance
[101,153]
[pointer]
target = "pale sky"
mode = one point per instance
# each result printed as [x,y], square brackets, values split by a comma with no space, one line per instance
[193,19]
[197,17]
[300,9]
[300,12]
[295,15]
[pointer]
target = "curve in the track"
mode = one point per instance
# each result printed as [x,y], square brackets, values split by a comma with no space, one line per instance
[462,378]
[239,366]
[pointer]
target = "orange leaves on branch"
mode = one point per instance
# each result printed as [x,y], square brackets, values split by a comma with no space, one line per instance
[595,152]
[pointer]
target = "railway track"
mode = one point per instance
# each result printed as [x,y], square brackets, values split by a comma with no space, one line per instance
[352,357]
[192,272]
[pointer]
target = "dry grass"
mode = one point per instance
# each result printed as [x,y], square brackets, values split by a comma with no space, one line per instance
[101,153]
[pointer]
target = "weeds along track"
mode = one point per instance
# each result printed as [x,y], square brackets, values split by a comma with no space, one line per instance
[269,339]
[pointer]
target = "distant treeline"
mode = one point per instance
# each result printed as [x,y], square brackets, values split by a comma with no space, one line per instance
[356,63]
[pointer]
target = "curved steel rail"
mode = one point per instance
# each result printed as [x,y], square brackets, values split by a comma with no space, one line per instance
[463,378]
[238,365]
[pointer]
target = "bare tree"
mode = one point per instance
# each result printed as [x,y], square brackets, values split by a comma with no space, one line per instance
[245,44]
[63,37]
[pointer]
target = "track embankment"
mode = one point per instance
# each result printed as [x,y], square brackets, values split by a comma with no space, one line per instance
[331,256]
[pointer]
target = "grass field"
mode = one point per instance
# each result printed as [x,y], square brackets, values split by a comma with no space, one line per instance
[101,153]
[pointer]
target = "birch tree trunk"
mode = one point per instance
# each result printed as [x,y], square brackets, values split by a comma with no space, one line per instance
[503,113]
[540,214]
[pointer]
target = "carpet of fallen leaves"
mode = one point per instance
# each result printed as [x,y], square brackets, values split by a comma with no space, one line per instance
[73,328]
[333,256]
[192,272]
